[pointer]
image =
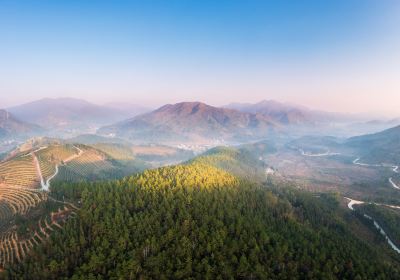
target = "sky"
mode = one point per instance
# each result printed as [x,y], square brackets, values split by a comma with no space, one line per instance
[336,55]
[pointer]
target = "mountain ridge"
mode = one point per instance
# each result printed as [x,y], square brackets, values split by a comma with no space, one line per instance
[292,114]
[10,126]
[383,146]
[191,121]
[67,112]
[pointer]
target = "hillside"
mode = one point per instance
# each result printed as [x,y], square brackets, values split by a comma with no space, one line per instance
[67,112]
[280,112]
[381,147]
[28,212]
[28,215]
[198,221]
[289,114]
[192,121]
[11,127]
[239,162]
[99,162]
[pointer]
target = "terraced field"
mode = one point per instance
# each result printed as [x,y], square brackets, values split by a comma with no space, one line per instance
[17,200]
[19,171]
[91,164]
[28,214]
[51,156]
[21,202]
[57,153]
[14,248]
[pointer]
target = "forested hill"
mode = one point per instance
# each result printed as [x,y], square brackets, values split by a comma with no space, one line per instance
[238,162]
[379,147]
[196,221]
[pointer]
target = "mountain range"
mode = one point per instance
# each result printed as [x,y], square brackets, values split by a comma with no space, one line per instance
[187,121]
[290,114]
[282,113]
[192,121]
[10,126]
[70,112]
[381,147]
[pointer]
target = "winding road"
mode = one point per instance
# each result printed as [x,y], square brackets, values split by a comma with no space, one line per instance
[46,184]
[395,169]
[80,152]
[358,202]
[327,153]
[353,202]
[357,162]
[35,151]
[393,184]
[38,170]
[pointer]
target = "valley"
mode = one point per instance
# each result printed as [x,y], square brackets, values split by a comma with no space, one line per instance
[200,140]
[189,188]
[50,185]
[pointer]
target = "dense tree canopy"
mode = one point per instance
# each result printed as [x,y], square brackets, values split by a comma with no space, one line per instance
[197,221]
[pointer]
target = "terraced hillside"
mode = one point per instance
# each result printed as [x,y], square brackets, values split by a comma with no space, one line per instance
[61,162]
[17,200]
[17,240]
[94,164]
[54,155]
[57,153]
[27,169]
[27,216]
[91,164]
[19,171]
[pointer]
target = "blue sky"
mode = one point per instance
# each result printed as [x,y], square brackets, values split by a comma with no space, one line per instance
[317,53]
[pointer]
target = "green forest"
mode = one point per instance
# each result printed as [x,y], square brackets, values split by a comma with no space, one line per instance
[202,220]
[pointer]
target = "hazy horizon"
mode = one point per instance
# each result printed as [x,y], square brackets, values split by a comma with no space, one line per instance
[111,169]
[366,114]
[339,56]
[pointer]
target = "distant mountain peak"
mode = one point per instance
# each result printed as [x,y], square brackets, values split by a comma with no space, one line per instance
[289,114]
[12,127]
[181,105]
[191,120]
[66,112]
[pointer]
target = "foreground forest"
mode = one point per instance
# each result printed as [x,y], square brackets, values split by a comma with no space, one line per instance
[207,219]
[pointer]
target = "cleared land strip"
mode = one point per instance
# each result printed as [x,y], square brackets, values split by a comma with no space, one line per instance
[45,185]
